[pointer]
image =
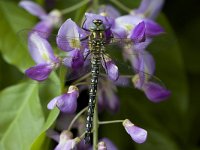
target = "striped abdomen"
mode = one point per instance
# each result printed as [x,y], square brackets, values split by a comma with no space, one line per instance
[95,64]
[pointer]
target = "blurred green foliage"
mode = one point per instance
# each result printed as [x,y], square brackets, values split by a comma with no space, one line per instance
[171,125]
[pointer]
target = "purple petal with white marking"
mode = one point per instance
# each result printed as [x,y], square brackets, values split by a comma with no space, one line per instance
[33,9]
[152,28]
[138,33]
[155,92]
[39,72]
[40,49]
[126,23]
[150,7]
[69,36]
[108,10]
[138,134]
[74,59]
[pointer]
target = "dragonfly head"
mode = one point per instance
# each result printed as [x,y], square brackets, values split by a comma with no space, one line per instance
[97,25]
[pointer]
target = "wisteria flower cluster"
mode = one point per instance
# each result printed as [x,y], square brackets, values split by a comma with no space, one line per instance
[138,26]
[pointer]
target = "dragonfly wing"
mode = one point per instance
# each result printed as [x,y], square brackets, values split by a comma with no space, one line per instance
[64,41]
[128,72]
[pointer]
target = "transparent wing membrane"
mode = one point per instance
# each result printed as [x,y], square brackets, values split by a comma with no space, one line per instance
[117,49]
[52,38]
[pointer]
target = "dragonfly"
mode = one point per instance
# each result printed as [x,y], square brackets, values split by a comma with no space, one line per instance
[96,42]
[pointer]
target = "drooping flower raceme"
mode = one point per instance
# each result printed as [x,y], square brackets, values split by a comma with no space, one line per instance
[48,21]
[139,27]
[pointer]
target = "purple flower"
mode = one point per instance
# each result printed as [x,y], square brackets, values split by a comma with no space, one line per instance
[48,21]
[138,134]
[68,30]
[109,11]
[107,98]
[74,46]
[155,92]
[67,102]
[42,53]
[144,80]
[39,72]
[102,146]
[149,8]
[66,142]
[136,28]
[74,59]
[110,68]
[109,144]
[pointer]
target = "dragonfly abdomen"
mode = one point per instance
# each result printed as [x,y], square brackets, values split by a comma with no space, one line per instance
[95,64]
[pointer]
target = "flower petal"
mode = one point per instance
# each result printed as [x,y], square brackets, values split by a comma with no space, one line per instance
[126,23]
[39,72]
[68,145]
[150,7]
[108,10]
[155,92]
[68,102]
[138,33]
[102,146]
[74,59]
[44,26]
[40,49]
[138,134]
[142,45]
[111,69]
[109,144]
[67,30]
[152,28]
[33,8]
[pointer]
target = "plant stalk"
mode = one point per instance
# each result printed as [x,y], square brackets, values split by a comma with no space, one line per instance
[95,127]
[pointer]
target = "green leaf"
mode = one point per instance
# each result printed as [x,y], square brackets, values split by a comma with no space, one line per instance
[14,19]
[21,116]
[41,141]
[48,90]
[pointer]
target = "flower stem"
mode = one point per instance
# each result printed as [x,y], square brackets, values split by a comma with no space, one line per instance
[121,6]
[74,7]
[110,122]
[95,127]
[76,117]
